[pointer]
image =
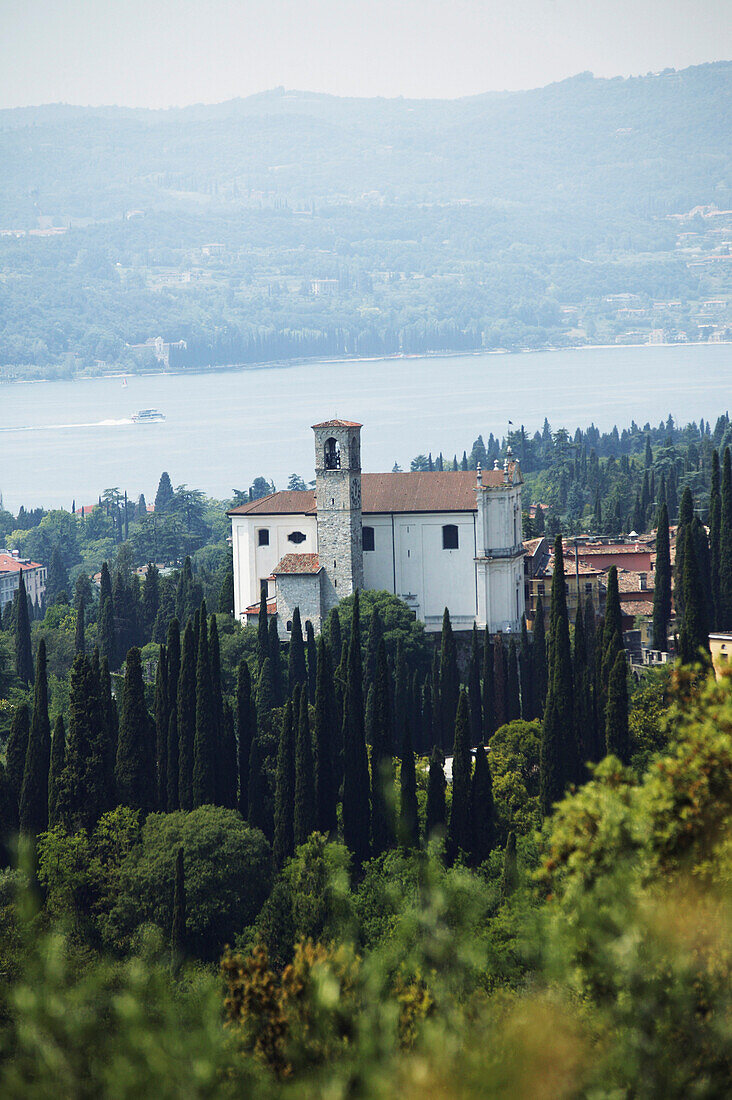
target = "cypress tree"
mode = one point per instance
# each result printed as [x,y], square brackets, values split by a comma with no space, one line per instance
[483,823]
[172,767]
[538,660]
[513,700]
[583,726]
[612,635]
[109,731]
[150,599]
[488,679]
[401,698]
[474,695]
[376,632]
[162,719]
[284,835]
[662,583]
[500,682]
[106,631]
[275,660]
[725,546]
[356,810]
[246,726]
[449,679]
[178,923]
[56,767]
[204,783]
[617,739]
[408,816]
[172,798]
[16,753]
[558,752]
[694,636]
[79,638]
[312,660]
[229,768]
[135,768]
[334,634]
[715,532]
[165,496]
[436,704]
[304,814]
[527,699]
[262,629]
[33,809]
[82,794]
[459,830]
[296,668]
[266,694]
[57,581]
[415,715]
[436,813]
[382,774]
[686,515]
[23,652]
[217,703]
[509,878]
[429,737]
[186,719]
[259,799]
[326,729]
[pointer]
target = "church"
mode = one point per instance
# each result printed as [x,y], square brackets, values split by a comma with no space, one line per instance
[436,540]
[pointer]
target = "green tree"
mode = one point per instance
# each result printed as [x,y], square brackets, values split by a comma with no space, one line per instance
[162,721]
[715,535]
[150,599]
[204,779]
[57,580]
[488,709]
[304,812]
[408,816]
[558,763]
[135,767]
[459,829]
[266,700]
[538,660]
[356,810]
[382,772]
[436,813]
[186,719]
[275,659]
[246,728]
[513,698]
[725,546]
[326,739]
[262,629]
[500,682]
[83,787]
[662,585]
[284,836]
[178,923]
[259,798]
[449,679]
[56,767]
[297,670]
[165,495]
[33,809]
[23,651]
[228,793]
[525,676]
[474,691]
[509,876]
[16,752]
[483,818]
[617,740]
[79,635]
[694,635]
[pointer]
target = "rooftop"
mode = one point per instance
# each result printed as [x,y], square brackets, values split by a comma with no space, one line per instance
[338,424]
[298,563]
[10,564]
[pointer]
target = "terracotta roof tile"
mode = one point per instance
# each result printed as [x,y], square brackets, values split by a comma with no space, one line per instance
[253,609]
[338,424]
[298,563]
[9,564]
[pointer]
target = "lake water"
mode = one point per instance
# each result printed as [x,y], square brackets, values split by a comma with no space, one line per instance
[64,441]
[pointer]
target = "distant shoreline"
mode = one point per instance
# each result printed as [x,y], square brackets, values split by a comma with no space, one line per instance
[283,364]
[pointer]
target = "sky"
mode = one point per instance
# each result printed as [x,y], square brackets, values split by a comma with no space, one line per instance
[160,53]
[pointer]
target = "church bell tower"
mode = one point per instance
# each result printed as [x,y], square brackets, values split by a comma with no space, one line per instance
[338,503]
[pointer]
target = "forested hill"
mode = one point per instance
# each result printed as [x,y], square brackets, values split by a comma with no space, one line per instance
[654,143]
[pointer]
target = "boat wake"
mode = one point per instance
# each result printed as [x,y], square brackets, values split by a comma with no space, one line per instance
[64,427]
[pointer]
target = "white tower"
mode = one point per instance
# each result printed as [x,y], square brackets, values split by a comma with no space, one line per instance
[338,504]
[499,561]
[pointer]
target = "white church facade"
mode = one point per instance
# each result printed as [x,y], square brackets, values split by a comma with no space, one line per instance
[436,540]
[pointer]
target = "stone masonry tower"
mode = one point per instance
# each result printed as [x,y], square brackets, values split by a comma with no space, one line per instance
[338,503]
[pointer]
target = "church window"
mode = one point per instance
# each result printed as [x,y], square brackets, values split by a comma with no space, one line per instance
[263,536]
[368,538]
[288,627]
[296,536]
[450,536]
[332,454]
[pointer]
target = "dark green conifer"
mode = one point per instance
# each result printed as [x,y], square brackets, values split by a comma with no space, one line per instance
[229,767]
[376,632]
[449,680]
[259,797]
[483,817]
[686,515]
[150,602]
[500,682]
[82,788]
[408,816]
[178,923]
[186,718]
[304,813]
[275,660]
[401,698]
[612,634]
[110,730]
[165,496]
[382,772]
[15,756]
[312,660]
[474,692]
[162,719]
[334,635]
[694,635]
[558,763]
[488,679]
[525,677]
[79,633]
[725,546]
[297,672]
[56,767]
[715,533]
[436,814]
[246,726]
[284,835]
[662,583]
[106,631]
[204,780]
[135,768]
[513,698]
[172,767]
[57,580]
[23,652]
[217,702]
[33,807]
[429,734]
[459,830]
[538,660]
[617,740]
[356,809]
[262,629]
[326,739]
[265,694]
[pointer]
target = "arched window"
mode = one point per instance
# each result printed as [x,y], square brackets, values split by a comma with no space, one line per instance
[450,536]
[332,454]
[288,626]
[368,538]
[263,536]
[296,536]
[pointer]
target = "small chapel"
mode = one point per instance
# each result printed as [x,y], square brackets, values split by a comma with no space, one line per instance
[439,539]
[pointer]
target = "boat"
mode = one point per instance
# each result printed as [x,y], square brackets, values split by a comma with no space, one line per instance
[147,416]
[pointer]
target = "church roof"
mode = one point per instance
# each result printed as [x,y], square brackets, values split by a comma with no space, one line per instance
[298,563]
[436,491]
[338,424]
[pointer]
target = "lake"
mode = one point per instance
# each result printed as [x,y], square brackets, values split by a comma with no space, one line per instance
[64,441]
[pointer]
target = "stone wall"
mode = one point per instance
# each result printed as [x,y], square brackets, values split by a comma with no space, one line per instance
[301,590]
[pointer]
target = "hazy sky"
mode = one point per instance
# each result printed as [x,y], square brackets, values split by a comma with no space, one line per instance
[170,52]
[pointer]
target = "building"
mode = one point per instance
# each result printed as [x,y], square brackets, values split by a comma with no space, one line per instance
[720,647]
[436,540]
[34,575]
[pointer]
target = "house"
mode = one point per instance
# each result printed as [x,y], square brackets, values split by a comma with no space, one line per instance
[11,567]
[720,646]
[435,539]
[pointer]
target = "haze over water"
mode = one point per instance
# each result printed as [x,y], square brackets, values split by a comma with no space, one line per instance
[64,441]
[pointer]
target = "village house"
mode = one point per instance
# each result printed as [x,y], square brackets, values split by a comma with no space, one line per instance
[435,539]
[11,567]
